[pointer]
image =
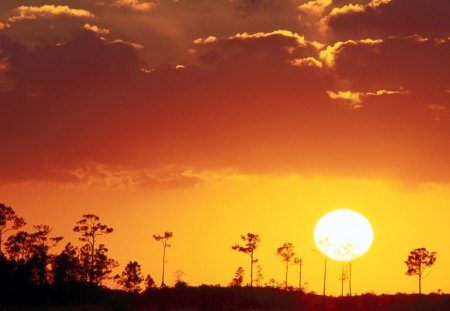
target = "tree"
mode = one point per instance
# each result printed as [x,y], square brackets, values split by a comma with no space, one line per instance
[238,278]
[251,244]
[149,282]
[131,277]
[299,261]
[259,276]
[418,260]
[325,243]
[90,229]
[102,268]
[178,275]
[66,266]
[164,239]
[8,221]
[31,252]
[287,254]
[41,244]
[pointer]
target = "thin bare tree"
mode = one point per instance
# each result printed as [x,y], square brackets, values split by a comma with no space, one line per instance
[251,244]
[164,239]
[287,254]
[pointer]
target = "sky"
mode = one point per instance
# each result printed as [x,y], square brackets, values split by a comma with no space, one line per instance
[214,118]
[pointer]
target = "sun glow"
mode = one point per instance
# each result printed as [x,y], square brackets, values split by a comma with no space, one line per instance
[343,235]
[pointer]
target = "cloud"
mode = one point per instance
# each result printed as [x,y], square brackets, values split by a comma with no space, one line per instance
[210,39]
[328,55]
[136,46]
[104,177]
[315,7]
[47,11]
[354,100]
[136,5]
[3,26]
[96,29]
[244,105]
[247,7]
[307,61]
[380,18]
[392,63]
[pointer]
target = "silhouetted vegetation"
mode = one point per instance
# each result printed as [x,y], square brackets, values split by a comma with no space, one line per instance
[287,254]
[251,244]
[418,260]
[164,239]
[32,277]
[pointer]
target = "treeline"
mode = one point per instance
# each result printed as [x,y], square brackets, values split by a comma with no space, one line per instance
[30,273]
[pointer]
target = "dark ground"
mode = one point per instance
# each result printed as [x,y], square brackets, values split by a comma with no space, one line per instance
[74,297]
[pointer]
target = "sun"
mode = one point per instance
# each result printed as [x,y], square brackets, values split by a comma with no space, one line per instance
[343,235]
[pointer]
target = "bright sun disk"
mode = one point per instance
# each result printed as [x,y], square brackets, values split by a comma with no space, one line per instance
[343,235]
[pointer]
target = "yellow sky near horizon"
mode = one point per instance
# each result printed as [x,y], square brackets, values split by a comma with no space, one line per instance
[208,218]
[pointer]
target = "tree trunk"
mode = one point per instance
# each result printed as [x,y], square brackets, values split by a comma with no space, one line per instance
[300,277]
[163,266]
[342,279]
[350,278]
[420,284]
[324,277]
[251,270]
[92,262]
[287,269]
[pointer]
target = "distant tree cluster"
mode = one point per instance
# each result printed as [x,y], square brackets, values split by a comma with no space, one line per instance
[26,258]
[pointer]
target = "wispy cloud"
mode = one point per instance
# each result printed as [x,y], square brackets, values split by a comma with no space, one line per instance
[136,5]
[96,29]
[354,100]
[47,11]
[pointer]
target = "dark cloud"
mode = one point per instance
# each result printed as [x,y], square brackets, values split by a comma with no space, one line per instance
[247,7]
[246,104]
[393,18]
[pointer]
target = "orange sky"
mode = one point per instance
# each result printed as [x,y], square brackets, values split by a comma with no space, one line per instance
[216,118]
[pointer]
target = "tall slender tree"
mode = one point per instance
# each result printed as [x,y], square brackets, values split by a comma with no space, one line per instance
[299,261]
[287,254]
[8,221]
[251,244]
[90,229]
[164,239]
[418,260]
[325,243]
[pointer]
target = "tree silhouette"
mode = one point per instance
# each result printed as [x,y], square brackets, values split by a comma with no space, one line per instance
[325,243]
[149,282]
[90,229]
[164,239]
[251,244]
[131,277]
[287,254]
[299,261]
[238,278]
[30,251]
[418,260]
[259,276]
[8,221]
[347,254]
[66,266]
[178,276]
